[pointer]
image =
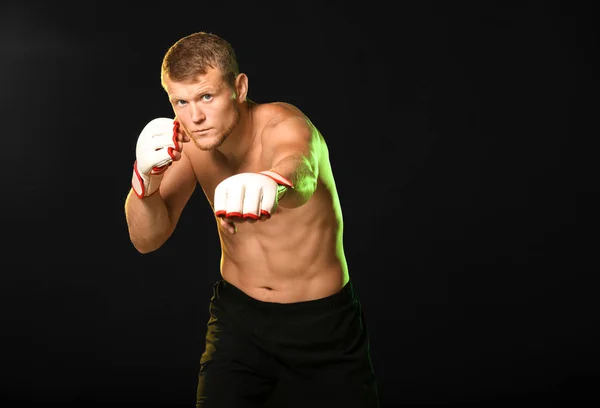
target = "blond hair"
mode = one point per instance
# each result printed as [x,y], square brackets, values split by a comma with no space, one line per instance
[193,54]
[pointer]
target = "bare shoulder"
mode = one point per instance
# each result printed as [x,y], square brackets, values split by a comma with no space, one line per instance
[273,113]
[281,119]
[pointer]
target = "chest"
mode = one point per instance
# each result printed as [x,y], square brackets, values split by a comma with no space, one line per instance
[210,169]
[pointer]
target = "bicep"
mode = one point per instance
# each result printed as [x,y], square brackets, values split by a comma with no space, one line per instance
[293,138]
[177,187]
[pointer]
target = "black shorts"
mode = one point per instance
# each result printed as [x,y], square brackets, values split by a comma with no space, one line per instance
[306,354]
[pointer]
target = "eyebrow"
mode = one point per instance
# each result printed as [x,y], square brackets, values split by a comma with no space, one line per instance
[211,88]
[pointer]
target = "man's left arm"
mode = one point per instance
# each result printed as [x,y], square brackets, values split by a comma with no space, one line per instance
[292,147]
[290,155]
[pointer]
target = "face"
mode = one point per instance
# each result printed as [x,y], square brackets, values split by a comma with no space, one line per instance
[206,107]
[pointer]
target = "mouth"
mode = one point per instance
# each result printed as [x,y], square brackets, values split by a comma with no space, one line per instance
[200,131]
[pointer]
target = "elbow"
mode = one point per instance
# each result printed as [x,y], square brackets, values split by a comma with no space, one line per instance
[144,249]
[145,246]
[146,241]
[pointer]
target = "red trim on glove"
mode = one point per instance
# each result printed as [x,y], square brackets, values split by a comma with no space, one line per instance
[279,179]
[140,181]
[175,143]
[223,214]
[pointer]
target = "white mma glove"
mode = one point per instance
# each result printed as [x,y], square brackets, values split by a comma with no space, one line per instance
[250,195]
[154,154]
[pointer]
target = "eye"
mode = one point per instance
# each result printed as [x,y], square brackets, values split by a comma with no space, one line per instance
[207,97]
[180,103]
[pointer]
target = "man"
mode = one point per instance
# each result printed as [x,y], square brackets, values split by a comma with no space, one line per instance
[284,315]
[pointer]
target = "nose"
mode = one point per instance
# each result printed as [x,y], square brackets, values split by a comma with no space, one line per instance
[197,114]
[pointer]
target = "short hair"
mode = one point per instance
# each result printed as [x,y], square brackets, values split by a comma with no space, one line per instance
[193,54]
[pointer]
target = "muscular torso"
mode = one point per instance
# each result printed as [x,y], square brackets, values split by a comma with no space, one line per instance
[297,254]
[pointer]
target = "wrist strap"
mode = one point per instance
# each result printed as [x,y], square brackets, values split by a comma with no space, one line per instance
[145,185]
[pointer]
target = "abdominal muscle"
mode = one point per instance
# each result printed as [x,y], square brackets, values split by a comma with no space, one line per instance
[284,260]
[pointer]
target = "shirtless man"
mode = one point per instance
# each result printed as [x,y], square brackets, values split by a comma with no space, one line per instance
[284,315]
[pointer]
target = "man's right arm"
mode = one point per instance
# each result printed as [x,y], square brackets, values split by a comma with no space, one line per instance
[151,220]
[162,182]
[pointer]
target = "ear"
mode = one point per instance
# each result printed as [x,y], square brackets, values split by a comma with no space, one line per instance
[241,87]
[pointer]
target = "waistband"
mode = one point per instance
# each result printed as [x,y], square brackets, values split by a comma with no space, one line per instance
[224,290]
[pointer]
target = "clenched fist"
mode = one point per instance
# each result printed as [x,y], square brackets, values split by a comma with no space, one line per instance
[249,196]
[158,145]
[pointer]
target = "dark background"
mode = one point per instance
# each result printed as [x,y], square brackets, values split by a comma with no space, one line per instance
[461,137]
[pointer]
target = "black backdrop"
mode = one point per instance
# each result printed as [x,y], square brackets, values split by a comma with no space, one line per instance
[461,136]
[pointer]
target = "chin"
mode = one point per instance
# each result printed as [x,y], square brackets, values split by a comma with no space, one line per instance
[206,145]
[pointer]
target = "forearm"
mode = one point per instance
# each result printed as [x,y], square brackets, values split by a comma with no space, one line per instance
[148,222]
[303,174]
